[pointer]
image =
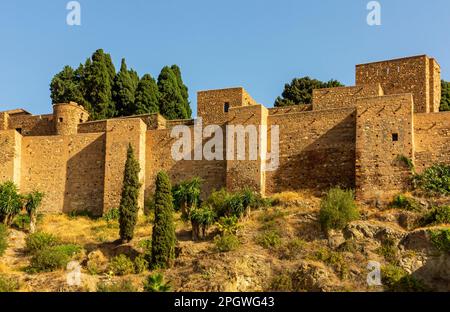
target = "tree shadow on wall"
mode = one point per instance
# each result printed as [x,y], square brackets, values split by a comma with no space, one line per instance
[328,161]
[85,175]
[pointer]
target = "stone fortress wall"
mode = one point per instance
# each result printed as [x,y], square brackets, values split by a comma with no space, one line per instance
[349,136]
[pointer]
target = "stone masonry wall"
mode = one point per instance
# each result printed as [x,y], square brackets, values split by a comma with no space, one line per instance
[407,75]
[33,125]
[10,156]
[68,169]
[384,131]
[431,139]
[317,150]
[343,97]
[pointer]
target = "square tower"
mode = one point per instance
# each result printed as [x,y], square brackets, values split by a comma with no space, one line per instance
[419,75]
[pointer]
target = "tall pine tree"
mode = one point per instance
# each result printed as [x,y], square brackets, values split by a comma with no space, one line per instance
[183,90]
[163,237]
[123,91]
[129,207]
[147,96]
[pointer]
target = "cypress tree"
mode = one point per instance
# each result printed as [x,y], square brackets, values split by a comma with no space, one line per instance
[128,210]
[183,90]
[65,87]
[163,237]
[147,96]
[123,91]
[171,104]
[97,84]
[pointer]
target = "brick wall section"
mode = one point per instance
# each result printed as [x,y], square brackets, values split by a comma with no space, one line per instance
[317,150]
[343,97]
[92,126]
[68,169]
[379,174]
[432,139]
[407,75]
[248,172]
[10,156]
[120,133]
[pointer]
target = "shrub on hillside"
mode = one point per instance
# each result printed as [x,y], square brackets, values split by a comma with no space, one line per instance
[39,241]
[186,196]
[8,284]
[395,279]
[49,259]
[434,180]
[269,239]
[156,283]
[10,202]
[228,225]
[140,264]
[121,265]
[226,242]
[112,215]
[438,215]
[201,219]
[3,239]
[337,209]
[402,201]
[441,239]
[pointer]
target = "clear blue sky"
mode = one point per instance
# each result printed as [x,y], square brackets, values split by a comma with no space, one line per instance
[257,44]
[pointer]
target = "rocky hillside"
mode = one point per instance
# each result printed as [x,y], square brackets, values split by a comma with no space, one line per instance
[281,248]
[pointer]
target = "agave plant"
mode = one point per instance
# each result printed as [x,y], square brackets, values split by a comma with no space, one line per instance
[155,283]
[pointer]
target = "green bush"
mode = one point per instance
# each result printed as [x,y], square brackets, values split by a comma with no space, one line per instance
[269,239]
[228,225]
[441,239]
[39,241]
[337,209]
[334,259]
[292,248]
[141,264]
[217,201]
[70,250]
[22,221]
[3,239]
[112,215]
[389,251]
[201,220]
[156,283]
[404,202]
[226,242]
[186,196]
[8,284]
[122,265]
[395,279]
[116,287]
[49,259]
[434,180]
[10,202]
[438,215]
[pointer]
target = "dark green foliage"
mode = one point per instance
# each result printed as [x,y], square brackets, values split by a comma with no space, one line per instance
[112,215]
[299,91]
[217,201]
[123,91]
[65,86]
[173,102]
[438,215]
[48,260]
[33,201]
[129,207]
[140,264]
[395,279]
[122,265]
[441,239]
[434,180]
[226,242]
[163,237]
[122,286]
[186,195]
[402,201]
[445,99]
[39,241]
[201,219]
[10,202]
[21,221]
[337,209]
[8,284]
[147,96]
[3,239]
[156,283]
